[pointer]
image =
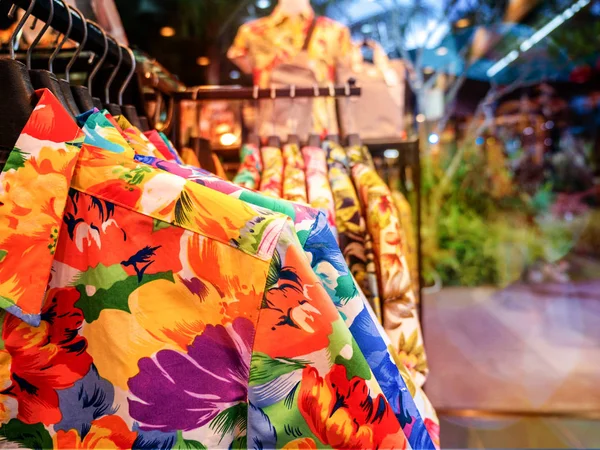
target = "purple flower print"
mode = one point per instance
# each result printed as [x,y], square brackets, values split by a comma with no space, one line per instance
[179,391]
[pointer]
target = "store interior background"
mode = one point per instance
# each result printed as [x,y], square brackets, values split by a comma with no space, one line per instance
[506,103]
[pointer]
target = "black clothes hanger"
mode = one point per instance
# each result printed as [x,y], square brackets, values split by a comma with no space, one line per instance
[113,108]
[18,97]
[64,84]
[40,78]
[200,145]
[130,111]
[96,100]
[81,94]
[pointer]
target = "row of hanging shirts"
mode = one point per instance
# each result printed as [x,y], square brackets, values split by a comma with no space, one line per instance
[194,311]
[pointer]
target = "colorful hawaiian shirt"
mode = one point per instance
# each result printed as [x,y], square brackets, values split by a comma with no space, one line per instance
[155,139]
[400,317]
[318,242]
[127,322]
[250,168]
[414,411]
[351,225]
[294,178]
[319,190]
[262,45]
[136,139]
[271,179]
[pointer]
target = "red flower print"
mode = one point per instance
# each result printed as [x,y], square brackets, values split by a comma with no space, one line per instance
[47,358]
[342,413]
[106,432]
[101,232]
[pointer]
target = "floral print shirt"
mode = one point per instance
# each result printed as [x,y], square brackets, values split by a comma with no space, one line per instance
[271,181]
[351,225]
[400,317]
[127,323]
[318,187]
[410,405]
[277,39]
[250,168]
[294,179]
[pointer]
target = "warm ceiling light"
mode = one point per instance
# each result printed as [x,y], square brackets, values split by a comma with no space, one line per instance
[463,23]
[228,139]
[203,61]
[442,51]
[428,70]
[420,118]
[167,31]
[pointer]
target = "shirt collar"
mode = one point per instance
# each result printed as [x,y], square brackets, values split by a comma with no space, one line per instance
[278,16]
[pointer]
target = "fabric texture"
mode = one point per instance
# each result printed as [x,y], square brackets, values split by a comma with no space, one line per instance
[351,224]
[399,304]
[147,334]
[251,167]
[294,178]
[271,178]
[405,214]
[317,182]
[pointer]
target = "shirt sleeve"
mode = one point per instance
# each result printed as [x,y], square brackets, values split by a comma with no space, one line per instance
[310,384]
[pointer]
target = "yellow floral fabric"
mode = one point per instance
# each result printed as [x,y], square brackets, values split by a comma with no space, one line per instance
[271,180]
[294,178]
[409,236]
[399,304]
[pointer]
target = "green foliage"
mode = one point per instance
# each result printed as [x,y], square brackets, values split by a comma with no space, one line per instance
[476,234]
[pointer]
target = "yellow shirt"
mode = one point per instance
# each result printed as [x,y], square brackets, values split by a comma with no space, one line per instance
[265,43]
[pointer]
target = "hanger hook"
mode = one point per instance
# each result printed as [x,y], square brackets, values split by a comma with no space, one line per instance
[331,90]
[19,27]
[129,75]
[293,109]
[273,97]
[113,74]
[102,58]
[79,47]
[64,39]
[39,36]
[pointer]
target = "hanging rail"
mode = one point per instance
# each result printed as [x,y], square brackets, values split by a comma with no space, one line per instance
[60,22]
[244,93]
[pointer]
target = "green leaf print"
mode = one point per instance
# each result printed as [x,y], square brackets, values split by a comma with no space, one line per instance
[16,160]
[158,225]
[185,444]
[233,420]
[115,297]
[26,436]
[101,276]
[3,254]
[264,369]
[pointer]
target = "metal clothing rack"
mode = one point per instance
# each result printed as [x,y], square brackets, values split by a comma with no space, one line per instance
[201,93]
